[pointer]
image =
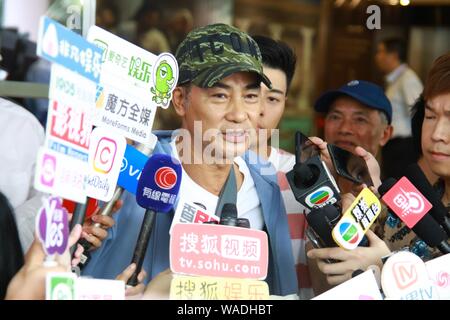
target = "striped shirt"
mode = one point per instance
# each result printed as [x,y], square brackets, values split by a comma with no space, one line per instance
[283,163]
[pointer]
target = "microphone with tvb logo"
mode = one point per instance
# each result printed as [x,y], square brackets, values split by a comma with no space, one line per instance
[350,231]
[310,180]
[321,222]
[413,209]
[157,191]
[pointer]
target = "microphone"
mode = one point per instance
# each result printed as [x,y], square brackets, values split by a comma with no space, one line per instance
[229,217]
[157,190]
[311,182]
[357,272]
[78,214]
[349,232]
[438,211]
[322,220]
[78,218]
[107,209]
[411,207]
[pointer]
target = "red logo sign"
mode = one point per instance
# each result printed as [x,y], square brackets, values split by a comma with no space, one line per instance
[69,124]
[407,202]
[165,178]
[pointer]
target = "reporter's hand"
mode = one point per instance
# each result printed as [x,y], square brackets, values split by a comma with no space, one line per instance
[324,154]
[346,201]
[372,165]
[159,287]
[29,282]
[349,260]
[94,234]
[136,291]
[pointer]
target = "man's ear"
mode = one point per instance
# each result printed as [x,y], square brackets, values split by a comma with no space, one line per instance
[386,135]
[179,100]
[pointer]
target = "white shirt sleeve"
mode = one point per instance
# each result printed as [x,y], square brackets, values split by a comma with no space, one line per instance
[22,136]
[25,219]
[412,88]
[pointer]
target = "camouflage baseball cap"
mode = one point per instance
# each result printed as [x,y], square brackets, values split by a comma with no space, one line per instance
[211,53]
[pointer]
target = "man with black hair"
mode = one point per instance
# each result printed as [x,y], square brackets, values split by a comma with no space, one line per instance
[403,87]
[279,62]
[418,113]
[217,98]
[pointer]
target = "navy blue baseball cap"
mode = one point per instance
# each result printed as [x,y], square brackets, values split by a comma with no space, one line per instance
[365,92]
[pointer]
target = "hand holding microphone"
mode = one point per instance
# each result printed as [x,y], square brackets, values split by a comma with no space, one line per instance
[415,211]
[349,260]
[347,230]
[115,203]
[310,180]
[133,292]
[95,233]
[348,233]
[157,191]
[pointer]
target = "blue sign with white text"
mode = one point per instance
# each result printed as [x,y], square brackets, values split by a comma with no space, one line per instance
[132,164]
[60,45]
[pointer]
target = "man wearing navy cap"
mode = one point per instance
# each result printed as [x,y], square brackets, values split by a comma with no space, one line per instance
[357,114]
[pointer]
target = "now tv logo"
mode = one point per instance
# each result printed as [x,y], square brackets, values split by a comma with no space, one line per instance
[132,164]
[130,170]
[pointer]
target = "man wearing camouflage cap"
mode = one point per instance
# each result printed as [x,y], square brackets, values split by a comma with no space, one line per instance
[217,97]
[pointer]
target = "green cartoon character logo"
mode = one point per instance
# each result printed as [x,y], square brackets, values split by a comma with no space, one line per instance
[164,78]
[164,82]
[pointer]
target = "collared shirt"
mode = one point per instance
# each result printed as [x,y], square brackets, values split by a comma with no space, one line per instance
[403,88]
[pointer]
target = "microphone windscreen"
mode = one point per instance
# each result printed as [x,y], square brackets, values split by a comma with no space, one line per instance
[430,231]
[229,210]
[322,220]
[386,186]
[420,181]
[159,183]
